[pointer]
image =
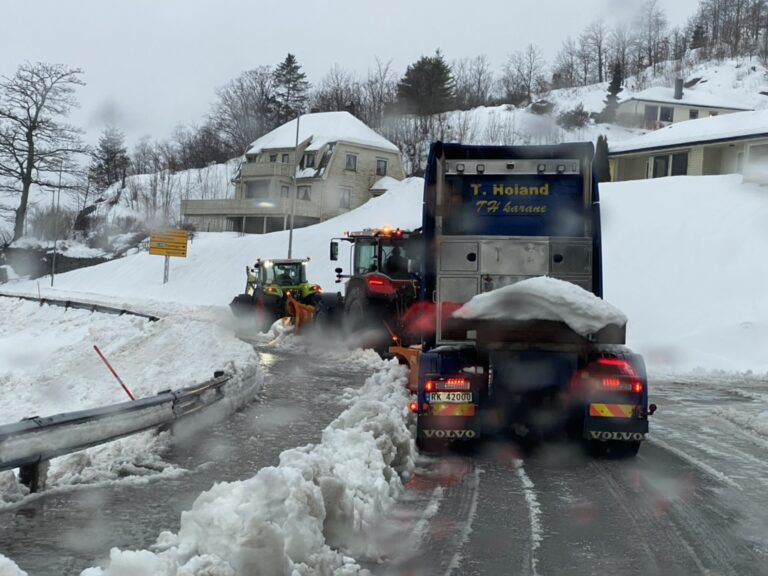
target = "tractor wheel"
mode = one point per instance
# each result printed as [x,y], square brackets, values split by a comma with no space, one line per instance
[357,312]
[242,305]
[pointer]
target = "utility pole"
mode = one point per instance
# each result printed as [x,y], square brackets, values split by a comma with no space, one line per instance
[295,186]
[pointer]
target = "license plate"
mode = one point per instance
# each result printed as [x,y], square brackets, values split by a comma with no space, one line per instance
[451,397]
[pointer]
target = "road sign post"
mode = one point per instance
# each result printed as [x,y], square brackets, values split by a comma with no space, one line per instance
[168,243]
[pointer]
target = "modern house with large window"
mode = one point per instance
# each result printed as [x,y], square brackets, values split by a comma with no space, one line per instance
[340,160]
[734,143]
[658,107]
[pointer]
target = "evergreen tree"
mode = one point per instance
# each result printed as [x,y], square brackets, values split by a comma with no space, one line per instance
[290,88]
[608,113]
[109,161]
[427,86]
[699,38]
[602,167]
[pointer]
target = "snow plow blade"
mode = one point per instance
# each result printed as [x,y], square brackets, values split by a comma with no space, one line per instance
[301,315]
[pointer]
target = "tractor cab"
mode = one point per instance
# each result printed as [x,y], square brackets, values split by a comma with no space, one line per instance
[278,274]
[391,252]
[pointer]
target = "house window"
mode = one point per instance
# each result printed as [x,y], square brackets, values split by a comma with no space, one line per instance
[670,165]
[273,157]
[679,164]
[650,116]
[344,200]
[285,158]
[351,163]
[256,189]
[666,113]
[693,114]
[285,192]
[304,193]
[309,160]
[660,166]
[713,113]
[381,167]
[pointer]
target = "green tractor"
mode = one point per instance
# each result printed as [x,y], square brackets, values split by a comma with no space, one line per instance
[270,285]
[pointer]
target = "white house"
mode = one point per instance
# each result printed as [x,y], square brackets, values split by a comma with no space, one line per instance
[657,107]
[340,164]
[733,143]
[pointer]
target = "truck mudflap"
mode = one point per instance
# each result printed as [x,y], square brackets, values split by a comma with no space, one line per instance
[434,432]
[615,428]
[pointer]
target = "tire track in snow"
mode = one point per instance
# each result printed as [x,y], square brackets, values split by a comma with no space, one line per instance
[534,514]
[703,466]
[473,484]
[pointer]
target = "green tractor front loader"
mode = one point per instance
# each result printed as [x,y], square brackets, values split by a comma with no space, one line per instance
[270,285]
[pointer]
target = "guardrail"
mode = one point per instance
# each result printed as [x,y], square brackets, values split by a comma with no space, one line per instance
[30,443]
[80,305]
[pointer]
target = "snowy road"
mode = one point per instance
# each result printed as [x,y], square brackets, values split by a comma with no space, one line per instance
[65,532]
[695,501]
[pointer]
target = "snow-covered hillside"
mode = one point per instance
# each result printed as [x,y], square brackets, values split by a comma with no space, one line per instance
[681,266]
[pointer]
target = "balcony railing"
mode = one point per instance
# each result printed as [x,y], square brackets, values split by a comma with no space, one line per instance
[248,207]
[264,169]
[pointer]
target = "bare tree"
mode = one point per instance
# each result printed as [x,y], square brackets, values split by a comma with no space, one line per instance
[566,69]
[474,81]
[619,45]
[245,109]
[35,140]
[596,37]
[652,26]
[380,93]
[584,56]
[523,74]
[338,90]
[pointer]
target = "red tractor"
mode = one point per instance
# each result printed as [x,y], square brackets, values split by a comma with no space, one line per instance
[382,284]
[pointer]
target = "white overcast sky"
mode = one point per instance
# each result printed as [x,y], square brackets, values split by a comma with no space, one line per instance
[152,64]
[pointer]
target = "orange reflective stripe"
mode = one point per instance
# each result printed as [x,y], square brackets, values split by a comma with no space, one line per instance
[452,409]
[611,410]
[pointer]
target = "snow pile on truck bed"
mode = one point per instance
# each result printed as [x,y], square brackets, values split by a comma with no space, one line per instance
[304,516]
[544,298]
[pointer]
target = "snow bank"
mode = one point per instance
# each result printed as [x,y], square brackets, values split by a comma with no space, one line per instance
[9,568]
[682,258]
[306,514]
[48,366]
[544,298]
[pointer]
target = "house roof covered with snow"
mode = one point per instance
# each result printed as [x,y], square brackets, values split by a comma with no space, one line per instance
[736,126]
[664,95]
[320,129]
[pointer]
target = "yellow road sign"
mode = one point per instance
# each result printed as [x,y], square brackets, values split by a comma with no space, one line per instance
[168,243]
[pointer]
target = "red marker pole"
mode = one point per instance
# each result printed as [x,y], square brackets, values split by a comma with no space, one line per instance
[113,372]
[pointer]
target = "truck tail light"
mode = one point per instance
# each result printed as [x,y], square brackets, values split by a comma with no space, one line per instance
[607,375]
[458,383]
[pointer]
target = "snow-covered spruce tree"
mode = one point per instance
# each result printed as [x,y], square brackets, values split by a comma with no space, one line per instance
[290,89]
[608,114]
[35,140]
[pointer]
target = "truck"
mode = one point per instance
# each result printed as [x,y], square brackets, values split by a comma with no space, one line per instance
[495,217]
